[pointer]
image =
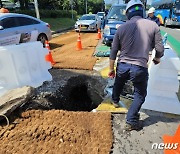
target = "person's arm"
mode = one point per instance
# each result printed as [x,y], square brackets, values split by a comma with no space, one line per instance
[111,65]
[159,48]
[113,53]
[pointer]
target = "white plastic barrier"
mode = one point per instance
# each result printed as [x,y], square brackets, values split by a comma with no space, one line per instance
[19,38]
[22,65]
[163,84]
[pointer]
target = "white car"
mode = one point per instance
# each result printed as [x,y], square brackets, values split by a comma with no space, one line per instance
[101,15]
[13,23]
[8,4]
[88,22]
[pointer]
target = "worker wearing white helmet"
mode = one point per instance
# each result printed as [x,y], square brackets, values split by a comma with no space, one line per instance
[134,39]
[138,9]
[152,17]
[151,10]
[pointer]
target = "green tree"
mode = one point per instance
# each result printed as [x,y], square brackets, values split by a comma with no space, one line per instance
[49,4]
[95,6]
[1,4]
[23,4]
[79,5]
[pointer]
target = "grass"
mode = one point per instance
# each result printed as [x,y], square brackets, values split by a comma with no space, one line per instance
[59,23]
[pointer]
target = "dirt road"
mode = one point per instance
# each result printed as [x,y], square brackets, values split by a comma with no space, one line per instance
[65,52]
[57,132]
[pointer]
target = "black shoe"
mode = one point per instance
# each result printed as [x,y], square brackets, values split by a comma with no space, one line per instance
[118,105]
[137,127]
[138,116]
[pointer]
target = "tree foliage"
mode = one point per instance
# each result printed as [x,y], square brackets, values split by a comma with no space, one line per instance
[78,5]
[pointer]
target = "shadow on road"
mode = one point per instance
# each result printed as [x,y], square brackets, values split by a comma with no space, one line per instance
[156,117]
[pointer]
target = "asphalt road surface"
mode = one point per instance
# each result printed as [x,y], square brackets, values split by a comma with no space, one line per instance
[173,37]
[175,32]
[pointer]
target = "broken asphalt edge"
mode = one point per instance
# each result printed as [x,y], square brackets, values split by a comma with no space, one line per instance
[62,30]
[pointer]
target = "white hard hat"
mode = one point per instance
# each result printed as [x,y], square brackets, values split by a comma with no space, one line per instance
[151,10]
[132,3]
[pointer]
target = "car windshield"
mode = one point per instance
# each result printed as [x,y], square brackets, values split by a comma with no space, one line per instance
[87,17]
[100,14]
[178,8]
[117,13]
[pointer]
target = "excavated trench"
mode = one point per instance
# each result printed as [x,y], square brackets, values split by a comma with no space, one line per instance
[45,125]
[51,131]
[70,90]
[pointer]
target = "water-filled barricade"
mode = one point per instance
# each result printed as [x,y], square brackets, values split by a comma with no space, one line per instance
[163,84]
[23,65]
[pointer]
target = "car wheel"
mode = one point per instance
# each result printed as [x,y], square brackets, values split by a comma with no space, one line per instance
[42,38]
[96,28]
[106,43]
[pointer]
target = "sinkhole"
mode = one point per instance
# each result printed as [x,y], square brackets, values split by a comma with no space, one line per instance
[76,94]
[80,100]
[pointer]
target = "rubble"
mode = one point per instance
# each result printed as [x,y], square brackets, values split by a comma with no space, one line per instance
[72,90]
[14,98]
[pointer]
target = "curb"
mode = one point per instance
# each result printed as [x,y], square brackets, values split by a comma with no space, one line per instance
[62,30]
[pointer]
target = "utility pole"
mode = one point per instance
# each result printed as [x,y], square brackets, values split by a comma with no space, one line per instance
[105,7]
[86,6]
[36,9]
[72,11]
[145,4]
[71,3]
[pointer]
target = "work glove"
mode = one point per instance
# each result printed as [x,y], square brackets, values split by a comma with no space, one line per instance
[111,74]
[156,61]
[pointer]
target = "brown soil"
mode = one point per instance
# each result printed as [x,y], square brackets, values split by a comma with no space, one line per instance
[57,132]
[65,54]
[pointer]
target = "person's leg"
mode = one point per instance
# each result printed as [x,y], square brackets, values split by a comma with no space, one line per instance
[139,77]
[122,74]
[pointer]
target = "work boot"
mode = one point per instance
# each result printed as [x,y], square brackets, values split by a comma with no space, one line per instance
[137,127]
[118,105]
[138,116]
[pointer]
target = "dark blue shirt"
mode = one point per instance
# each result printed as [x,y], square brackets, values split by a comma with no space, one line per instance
[155,19]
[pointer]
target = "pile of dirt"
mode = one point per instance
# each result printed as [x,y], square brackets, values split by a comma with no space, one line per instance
[65,54]
[57,131]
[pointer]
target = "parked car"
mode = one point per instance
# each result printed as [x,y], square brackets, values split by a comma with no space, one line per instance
[8,5]
[12,23]
[88,22]
[30,5]
[101,15]
[115,18]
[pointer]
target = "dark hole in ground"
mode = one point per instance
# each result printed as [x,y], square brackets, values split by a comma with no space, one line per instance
[70,98]
[79,93]
[80,100]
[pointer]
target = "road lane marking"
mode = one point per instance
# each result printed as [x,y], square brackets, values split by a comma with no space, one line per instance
[175,44]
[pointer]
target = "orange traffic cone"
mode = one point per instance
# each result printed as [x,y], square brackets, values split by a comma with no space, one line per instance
[79,45]
[3,10]
[49,55]
[47,45]
[99,34]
